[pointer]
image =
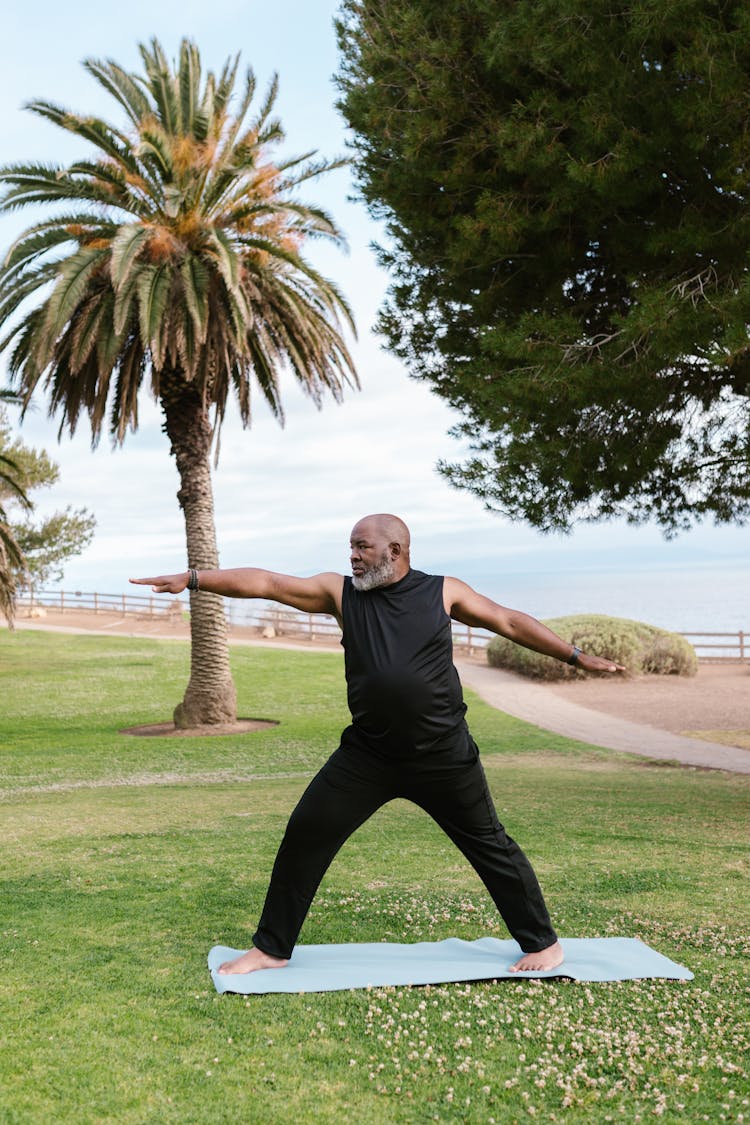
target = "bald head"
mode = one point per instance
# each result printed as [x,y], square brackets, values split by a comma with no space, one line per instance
[386,527]
[379,550]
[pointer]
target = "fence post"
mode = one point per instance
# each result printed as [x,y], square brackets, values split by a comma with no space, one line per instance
[742,647]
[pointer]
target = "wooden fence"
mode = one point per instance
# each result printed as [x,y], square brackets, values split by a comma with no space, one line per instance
[721,646]
[272,620]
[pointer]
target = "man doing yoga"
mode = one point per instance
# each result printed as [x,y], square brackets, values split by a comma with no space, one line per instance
[408,737]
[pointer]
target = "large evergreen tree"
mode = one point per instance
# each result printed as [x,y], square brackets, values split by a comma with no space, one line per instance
[179,269]
[565,187]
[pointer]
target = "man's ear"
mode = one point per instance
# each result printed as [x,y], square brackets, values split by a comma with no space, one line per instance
[395,550]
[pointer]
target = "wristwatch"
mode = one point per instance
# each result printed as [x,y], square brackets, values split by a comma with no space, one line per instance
[573,658]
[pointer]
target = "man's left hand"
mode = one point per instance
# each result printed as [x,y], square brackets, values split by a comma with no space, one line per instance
[589,663]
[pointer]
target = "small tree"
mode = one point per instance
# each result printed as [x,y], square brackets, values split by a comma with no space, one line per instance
[565,188]
[43,545]
[179,268]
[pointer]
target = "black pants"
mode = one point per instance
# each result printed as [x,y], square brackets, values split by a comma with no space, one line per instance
[450,785]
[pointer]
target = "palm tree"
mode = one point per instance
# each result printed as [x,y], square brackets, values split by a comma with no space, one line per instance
[11,556]
[180,266]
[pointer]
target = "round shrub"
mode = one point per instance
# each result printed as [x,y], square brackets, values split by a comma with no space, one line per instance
[642,649]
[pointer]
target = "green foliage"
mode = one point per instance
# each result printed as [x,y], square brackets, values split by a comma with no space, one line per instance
[42,545]
[564,187]
[181,256]
[129,858]
[11,555]
[642,649]
[48,544]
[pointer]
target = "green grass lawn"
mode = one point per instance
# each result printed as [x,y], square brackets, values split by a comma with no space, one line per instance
[124,859]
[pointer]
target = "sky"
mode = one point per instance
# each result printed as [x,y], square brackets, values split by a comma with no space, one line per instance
[287,498]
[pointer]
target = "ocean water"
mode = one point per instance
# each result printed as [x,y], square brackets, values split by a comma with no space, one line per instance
[697,600]
[694,599]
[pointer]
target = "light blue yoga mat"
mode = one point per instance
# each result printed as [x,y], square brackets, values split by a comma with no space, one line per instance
[328,968]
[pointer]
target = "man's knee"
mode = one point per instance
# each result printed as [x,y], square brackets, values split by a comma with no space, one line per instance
[309,816]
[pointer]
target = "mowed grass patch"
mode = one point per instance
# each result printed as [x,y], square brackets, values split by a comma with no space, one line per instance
[112,894]
[65,700]
[82,691]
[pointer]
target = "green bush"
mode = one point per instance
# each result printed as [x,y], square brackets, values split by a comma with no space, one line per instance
[642,649]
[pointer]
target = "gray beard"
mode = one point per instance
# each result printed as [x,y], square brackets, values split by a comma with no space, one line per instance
[379,575]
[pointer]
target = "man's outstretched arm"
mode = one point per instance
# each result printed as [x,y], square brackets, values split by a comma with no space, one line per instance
[467,606]
[319,594]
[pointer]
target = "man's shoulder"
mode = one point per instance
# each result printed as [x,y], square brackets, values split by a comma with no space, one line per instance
[420,584]
[418,579]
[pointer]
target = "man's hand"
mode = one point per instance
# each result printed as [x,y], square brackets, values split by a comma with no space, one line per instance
[597,664]
[164,583]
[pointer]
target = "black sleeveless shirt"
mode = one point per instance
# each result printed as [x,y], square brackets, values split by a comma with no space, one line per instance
[404,692]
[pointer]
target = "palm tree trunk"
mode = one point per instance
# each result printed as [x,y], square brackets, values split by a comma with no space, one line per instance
[210,697]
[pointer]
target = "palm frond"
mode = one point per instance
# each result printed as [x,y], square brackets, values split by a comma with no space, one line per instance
[121,86]
[109,342]
[21,286]
[125,304]
[232,132]
[86,330]
[128,243]
[261,121]
[225,85]
[323,290]
[130,372]
[11,480]
[312,171]
[195,282]
[220,185]
[154,149]
[24,371]
[162,86]
[27,249]
[104,136]
[189,80]
[219,247]
[74,276]
[41,237]
[48,185]
[135,191]
[206,119]
[153,288]
[264,363]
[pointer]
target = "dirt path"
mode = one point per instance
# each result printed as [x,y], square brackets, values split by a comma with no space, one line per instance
[717,699]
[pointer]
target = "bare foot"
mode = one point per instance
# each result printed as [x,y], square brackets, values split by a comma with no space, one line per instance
[250,961]
[548,958]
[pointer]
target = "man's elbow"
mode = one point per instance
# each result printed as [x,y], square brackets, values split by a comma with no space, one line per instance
[511,625]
